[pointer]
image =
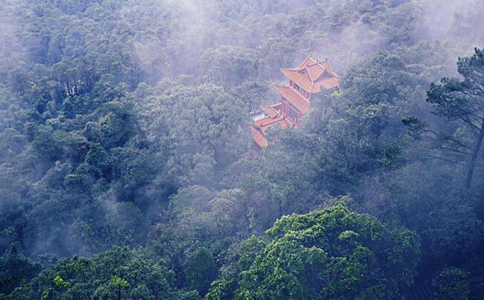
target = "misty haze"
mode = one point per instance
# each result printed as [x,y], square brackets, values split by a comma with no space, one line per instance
[241,149]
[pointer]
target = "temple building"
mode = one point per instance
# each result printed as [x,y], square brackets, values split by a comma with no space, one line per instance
[309,78]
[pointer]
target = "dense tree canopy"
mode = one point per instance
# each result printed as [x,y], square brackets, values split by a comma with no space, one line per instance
[117,274]
[125,162]
[329,254]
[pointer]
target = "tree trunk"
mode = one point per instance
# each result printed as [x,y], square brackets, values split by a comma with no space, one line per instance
[475,153]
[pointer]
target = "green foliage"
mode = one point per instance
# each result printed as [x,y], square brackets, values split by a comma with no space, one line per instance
[59,282]
[123,123]
[117,274]
[229,65]
[201,270]
[333,253]
[222,289]
[452,284]
[202,132]
[462,100]
[252,93]
[414,125]
[16,270]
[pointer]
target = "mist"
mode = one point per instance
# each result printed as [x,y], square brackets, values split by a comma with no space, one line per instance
[127,135]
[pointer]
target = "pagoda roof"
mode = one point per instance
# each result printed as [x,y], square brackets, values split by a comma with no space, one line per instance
[258,137]
[270,111]
[311,75]
[267,122]
[259,128]
[293,97]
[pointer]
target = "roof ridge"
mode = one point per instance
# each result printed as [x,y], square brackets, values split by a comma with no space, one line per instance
[309,76]
[296,100]
[298,92]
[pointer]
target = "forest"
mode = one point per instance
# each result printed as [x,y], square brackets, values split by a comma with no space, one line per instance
[125,163]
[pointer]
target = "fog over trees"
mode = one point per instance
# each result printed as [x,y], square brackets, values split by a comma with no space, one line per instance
[126,162]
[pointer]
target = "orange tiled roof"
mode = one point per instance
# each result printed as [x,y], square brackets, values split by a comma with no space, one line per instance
[293,97]
[259,129]
[277,106]
[328,67]
[312,75]
[307,61]
[258,137]
[300,77]
[267,122]
[314,71]
[270,111]
[280,121]
[329,83]
[322,65]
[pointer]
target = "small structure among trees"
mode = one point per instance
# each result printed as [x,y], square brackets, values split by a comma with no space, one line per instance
[309,78]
